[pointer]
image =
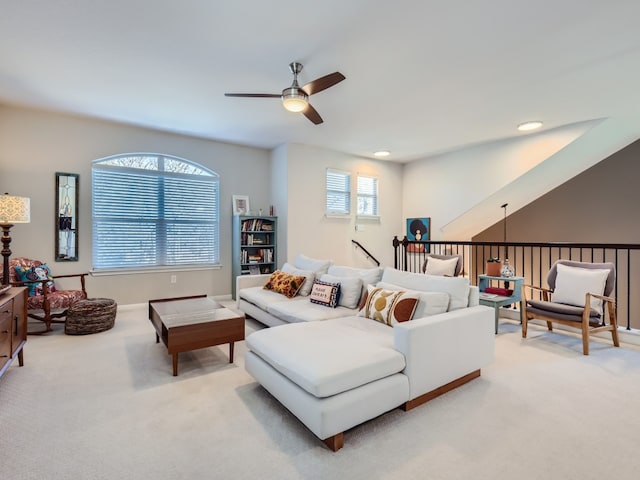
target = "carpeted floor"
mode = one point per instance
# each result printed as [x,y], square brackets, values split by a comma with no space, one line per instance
[106,406]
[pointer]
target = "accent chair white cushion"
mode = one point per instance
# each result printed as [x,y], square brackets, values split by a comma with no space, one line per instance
[444,267]
[573,283]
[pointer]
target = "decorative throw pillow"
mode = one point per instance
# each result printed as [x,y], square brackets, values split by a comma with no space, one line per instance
[439,266]
[315,265]
[350,289]
[388,306]
[573,283]
[30,274]
[284,283]
[308,274]
[325,293]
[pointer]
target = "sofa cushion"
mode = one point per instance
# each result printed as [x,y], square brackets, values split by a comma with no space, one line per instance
[389,306]
[300,309]
[325,293]
[284,283]
[350,289]
[429,303]
[309,276]
[260,297]
[327,358]
[456,287]
[369,276]
[315,265]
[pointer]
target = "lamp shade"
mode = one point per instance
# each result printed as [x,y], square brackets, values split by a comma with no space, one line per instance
[14,209]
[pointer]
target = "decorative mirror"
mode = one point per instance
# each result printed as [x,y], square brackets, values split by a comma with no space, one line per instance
[66,217]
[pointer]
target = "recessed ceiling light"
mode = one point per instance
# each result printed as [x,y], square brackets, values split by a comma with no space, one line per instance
[527,126]
[382,153]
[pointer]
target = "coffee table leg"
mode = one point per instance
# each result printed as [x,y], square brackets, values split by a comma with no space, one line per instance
[231,352]
[175,364]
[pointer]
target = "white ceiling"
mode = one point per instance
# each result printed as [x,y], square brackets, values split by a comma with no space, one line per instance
[423,76]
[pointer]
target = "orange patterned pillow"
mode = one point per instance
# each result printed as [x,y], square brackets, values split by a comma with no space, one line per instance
[284,283]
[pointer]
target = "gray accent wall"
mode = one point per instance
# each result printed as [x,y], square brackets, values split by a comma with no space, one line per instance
[600,205]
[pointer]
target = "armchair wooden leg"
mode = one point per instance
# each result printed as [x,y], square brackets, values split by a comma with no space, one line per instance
[585,339]
[525,322]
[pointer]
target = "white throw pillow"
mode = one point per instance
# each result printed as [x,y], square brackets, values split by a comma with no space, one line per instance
[431,303]
[306,263]
[306,287]
[350,289]
[456,287]
[439,266]
[573,283]
[369,276]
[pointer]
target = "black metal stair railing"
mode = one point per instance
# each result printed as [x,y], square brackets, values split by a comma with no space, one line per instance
[532,260]
[366,252]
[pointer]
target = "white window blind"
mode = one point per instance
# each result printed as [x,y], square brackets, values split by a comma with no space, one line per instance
[338,192]
[367,196]
[154,211]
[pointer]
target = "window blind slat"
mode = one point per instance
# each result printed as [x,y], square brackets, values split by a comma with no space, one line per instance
[158,212]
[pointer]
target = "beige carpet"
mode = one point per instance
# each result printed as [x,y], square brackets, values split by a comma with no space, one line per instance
[106,406]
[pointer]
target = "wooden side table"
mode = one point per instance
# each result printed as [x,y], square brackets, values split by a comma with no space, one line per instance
[497,301]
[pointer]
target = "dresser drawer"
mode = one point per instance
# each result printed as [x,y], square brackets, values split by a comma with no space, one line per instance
[5,338]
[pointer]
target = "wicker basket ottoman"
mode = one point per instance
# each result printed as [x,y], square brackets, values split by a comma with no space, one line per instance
[91,315]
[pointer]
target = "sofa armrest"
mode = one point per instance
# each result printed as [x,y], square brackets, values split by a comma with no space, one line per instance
[474,296]
[445,347]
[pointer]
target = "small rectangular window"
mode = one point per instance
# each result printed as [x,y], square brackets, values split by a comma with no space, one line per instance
[338,192]
[367,196]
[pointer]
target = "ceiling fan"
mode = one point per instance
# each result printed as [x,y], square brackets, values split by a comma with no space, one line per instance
[296,98]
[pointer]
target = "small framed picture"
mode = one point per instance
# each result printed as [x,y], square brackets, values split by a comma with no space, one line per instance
[240,205]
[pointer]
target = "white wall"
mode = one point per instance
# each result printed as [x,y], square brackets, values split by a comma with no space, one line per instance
[310,232]
[36,144]
[469,184]
[279,197]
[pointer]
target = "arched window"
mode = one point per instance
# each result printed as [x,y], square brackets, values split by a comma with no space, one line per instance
[154,210]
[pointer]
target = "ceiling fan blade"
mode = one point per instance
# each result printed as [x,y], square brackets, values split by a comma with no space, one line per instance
[312,114]
[254,95]
[322,83]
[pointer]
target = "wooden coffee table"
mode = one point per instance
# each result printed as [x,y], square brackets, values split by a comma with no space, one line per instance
[190,323]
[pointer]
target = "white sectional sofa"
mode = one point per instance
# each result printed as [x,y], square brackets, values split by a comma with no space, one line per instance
[271,308]
[339,372]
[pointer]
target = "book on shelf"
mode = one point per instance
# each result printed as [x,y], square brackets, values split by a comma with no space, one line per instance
[254,270]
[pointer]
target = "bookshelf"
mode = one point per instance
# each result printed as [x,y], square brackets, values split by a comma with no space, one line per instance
[255,246]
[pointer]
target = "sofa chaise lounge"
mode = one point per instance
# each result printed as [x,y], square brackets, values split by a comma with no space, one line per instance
[337,373]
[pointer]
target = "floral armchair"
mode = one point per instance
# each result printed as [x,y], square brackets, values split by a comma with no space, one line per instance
[45,303]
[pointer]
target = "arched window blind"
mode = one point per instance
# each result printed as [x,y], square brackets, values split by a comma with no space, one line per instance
[154,210]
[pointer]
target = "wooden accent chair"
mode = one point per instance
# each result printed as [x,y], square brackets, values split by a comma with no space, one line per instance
[579,296]
[45,303]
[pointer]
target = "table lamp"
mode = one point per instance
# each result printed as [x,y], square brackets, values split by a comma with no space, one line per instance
[12,210]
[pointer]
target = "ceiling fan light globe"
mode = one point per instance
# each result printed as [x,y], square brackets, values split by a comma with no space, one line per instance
[294,99]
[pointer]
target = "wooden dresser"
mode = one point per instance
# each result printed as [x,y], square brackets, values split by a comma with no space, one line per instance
[13,326]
